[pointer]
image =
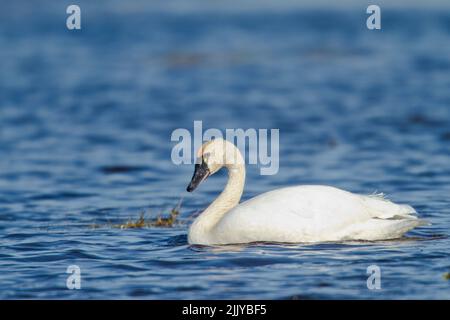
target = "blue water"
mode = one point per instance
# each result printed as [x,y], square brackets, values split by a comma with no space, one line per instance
[85,124]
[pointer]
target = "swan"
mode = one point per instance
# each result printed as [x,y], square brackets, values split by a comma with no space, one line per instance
[298,214]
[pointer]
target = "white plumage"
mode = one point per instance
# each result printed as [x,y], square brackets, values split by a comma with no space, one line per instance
[313,214]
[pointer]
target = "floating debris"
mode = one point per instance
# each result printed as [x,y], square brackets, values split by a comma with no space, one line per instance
[162,220]
[446,276]
[167,221]
[139,223]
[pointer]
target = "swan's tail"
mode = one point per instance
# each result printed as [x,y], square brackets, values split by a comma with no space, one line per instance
[384,229]
[382,208]
[389,220]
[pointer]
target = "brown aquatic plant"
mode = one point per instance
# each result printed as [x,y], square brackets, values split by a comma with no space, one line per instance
[161,221]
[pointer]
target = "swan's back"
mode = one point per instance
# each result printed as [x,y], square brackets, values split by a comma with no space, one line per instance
[314,213]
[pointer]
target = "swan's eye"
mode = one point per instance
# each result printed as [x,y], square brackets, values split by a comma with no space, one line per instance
[205,158]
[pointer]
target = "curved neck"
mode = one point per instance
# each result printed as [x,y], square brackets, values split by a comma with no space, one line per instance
[228,199]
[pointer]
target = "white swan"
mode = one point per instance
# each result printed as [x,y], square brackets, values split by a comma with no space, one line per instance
[296,214]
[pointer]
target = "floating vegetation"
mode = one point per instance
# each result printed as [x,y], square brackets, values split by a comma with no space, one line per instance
[139,223]
[446,276]
[162,220]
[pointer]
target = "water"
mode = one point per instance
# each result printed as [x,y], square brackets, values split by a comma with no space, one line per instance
[85,124]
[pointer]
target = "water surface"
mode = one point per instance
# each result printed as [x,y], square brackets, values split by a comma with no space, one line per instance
[85,124]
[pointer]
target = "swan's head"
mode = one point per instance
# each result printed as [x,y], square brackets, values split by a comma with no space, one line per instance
[211,157]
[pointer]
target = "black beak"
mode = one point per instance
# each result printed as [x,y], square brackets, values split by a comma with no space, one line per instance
[201,172]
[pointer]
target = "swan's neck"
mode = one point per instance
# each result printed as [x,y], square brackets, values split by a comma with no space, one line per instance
[228,199]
